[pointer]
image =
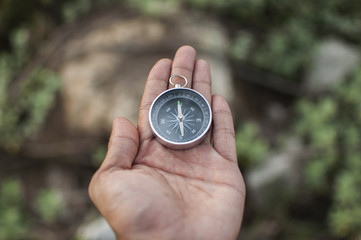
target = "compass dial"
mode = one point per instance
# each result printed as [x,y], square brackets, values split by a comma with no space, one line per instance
[180,117]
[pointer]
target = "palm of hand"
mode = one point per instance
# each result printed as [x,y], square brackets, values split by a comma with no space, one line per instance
[179,197]
[147,191]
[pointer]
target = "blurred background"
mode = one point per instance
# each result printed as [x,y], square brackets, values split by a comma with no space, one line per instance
[290,70]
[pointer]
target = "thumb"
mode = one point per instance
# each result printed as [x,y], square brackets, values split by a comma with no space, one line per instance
[123,145]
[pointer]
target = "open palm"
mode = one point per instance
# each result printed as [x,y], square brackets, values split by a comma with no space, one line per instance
[147,191]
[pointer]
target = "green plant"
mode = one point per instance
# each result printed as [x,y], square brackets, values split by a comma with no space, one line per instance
[73,10]
[281,35]
[13,224]
[332,128]
[98,155]
[22,115]
[242,45]
[155,7]
[317,122]
[251,148]
[286,50]
[49,204]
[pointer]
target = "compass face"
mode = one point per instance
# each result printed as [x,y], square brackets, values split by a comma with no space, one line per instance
[180,117]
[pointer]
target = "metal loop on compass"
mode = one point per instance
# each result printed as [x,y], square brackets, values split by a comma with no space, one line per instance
[178,85]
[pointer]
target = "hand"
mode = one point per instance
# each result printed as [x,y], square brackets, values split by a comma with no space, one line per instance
[147,191]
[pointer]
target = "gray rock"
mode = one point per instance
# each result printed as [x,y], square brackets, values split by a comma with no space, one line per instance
[97,229]
[105,64]
[278,174]
[331,63]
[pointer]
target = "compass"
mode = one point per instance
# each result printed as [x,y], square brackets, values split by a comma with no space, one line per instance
[180,117]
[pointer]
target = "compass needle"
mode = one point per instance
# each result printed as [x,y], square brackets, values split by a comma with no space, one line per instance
[181,126]
[180,118]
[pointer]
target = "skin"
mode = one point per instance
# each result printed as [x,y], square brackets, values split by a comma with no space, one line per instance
[147,191]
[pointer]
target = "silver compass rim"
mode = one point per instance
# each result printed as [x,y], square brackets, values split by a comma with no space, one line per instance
[180,145]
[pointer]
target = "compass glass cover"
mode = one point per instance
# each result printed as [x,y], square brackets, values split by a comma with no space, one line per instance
[180,115]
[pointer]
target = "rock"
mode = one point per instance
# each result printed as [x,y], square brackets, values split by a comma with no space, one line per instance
[105,63]
[277,175]
[97,229]
[331,63]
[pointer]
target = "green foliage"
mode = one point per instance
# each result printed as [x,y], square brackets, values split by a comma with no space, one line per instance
[21,116]
[42,15]
[333,15]
[317,122]
[19,42]
[242,45]
[286,50]
[235,8]
[154,7]
[98,155]
[49,204]
[31,14]
[332,127]
[24,116]
[75,9]
[251,148]
[12,219]
[281,35]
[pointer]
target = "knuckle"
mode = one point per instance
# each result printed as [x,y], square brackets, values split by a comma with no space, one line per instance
[154,81]
[223,113]
[145,106]
[120,141]
[226,154]
[183,71]
[202,82]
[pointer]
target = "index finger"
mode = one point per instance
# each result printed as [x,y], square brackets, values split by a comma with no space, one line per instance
[157,82]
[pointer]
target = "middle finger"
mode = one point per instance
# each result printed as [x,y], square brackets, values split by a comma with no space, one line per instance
[183,64]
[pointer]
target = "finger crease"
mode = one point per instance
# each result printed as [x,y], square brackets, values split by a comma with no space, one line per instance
[208,84]
[156,80]
[188,70]
[125,138]
[227,131]
[221,112]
